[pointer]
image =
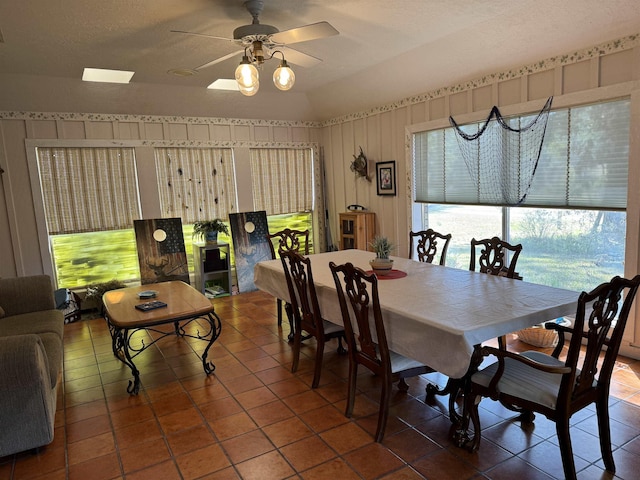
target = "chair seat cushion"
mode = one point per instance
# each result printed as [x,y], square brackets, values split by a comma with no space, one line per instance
[522,381]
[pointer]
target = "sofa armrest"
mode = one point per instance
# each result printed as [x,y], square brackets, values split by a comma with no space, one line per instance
[24,363]
[26,294]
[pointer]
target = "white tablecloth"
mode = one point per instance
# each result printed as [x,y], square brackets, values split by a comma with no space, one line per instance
[435,314]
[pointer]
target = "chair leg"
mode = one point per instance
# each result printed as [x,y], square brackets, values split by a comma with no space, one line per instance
[317,370]
[383,413]
[604,431]
[297,340]
[341,349]
[402,385]
[279,309]
[562,428]
[351,390]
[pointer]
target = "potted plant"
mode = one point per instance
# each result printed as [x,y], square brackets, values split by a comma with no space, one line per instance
[208,230]
[382,264]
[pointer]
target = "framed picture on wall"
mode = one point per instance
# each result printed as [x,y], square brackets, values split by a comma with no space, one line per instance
[386,177]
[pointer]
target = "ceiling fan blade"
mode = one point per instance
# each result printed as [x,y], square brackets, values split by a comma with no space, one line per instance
[203,35]
[221,59]
[298,58]
[304,34]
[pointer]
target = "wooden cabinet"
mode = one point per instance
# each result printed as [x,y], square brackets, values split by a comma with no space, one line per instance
[211,262]
[357,229]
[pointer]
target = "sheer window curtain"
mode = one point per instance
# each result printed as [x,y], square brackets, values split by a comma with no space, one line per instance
[282,180]
[88,189]
[196,183]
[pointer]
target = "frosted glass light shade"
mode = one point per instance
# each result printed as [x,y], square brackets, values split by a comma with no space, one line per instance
[283,77]
[246,74]
[249,92]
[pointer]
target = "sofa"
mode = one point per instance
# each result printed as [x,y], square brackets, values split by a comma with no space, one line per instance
[31,349]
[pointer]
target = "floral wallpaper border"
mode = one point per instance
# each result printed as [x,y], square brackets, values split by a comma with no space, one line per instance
[606,48]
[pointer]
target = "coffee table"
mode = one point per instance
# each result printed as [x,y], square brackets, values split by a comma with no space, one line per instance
[191,313]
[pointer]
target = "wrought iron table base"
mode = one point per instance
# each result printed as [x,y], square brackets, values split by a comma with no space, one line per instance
[125,351]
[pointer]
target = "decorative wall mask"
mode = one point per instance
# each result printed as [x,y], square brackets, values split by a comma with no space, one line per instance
[359,166]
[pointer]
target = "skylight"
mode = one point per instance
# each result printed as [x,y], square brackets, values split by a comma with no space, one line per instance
[224,84]
[108,76]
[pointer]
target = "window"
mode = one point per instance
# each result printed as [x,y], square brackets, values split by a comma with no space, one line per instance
[572,222]
[282,179]
[90,201]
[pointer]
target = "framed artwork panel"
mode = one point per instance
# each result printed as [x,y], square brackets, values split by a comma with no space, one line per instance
[386,177]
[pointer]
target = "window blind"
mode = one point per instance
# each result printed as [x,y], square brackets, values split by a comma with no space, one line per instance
[583,164]
[196,183]
[88,189]
[282,180]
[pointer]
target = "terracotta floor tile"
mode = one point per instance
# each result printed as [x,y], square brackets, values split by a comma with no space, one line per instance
[232,426]
[138,433]
[410,444]
[346,438]
[172,403]
[307,453]
[191,439]
[46,461]
[255,398]
[287,431]
[181,420]
[288,387]
[331,470]
[305,401]
[405,473]
[270,413]
[162,471]
[270,465]
[324,418]
[88,428]
[98,468]
[86,410]
[246,446]
[200,462]
[373,461]
[131,415]
[91,448]
[243,384]
[144,454]
[220,408]
[445,466]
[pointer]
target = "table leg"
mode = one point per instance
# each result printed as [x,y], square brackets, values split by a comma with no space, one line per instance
[216,328]
[453,388]
[120,343]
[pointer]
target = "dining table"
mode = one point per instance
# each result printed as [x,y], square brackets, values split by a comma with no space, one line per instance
[434,314]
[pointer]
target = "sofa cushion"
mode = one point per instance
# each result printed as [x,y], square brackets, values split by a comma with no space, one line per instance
[51,321]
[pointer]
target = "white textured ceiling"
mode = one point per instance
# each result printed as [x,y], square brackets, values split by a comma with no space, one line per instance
[386,49]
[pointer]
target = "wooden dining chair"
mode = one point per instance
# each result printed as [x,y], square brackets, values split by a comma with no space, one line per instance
[304,309]
[287,240]
[493,257]
[536,382]
[362,291]
[427,244]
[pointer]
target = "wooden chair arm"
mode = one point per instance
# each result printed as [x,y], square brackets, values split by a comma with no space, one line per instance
[502,354]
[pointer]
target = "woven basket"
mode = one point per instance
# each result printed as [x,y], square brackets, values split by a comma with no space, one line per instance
[538,336]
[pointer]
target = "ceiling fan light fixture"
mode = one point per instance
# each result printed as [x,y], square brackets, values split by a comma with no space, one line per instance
[283,76]
[247,75]
[249,92]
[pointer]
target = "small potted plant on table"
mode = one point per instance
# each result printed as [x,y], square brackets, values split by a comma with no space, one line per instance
[208,230]
[382,264]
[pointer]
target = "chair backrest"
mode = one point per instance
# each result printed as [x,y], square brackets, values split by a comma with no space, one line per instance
[427,245]
[302,292]
[492,258]
[601,316]
[289,240]
[362,291]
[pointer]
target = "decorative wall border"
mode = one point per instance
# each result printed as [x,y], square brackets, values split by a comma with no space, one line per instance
[613,46]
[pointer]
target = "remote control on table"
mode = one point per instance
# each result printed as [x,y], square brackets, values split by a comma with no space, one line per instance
[145,307]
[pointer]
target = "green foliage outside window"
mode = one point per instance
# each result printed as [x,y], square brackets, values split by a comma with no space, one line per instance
[96,257]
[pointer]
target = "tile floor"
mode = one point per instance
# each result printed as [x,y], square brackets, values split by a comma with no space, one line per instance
[254,419]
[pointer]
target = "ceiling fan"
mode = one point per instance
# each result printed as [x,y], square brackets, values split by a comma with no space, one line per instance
[261,42]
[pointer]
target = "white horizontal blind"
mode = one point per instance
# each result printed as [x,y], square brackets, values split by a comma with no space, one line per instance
[196,183]
[88,189]
[282,180]
[583,164]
